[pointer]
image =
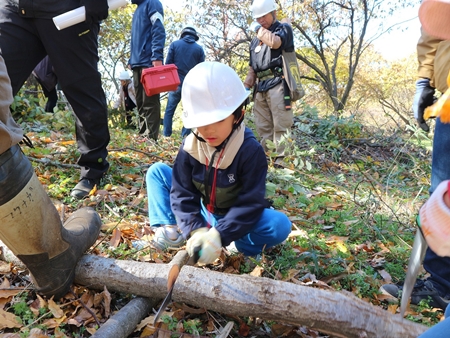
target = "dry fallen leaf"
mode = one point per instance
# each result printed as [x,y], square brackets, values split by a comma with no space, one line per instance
[8,320]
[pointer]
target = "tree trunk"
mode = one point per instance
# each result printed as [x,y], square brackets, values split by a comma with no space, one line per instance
[340,314]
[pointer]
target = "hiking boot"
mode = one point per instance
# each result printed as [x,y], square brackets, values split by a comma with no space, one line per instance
[84,187]
[423,290]
[166,237]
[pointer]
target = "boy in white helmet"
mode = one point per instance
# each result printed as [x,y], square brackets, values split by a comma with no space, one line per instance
[215,191]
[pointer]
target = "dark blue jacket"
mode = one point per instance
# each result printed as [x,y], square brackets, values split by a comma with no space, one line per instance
[148,35]
[240,191]
[185,53]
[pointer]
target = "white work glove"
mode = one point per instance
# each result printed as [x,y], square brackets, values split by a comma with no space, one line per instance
[209,242]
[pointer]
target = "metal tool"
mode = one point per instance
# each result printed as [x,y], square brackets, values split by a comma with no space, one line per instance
[173,275]
[415,261]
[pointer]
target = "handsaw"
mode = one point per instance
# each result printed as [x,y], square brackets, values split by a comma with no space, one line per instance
[172,278]
[415,261]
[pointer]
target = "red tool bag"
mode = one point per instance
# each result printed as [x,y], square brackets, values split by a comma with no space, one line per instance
[160,79]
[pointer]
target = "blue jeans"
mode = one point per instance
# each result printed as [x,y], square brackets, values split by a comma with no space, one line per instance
[440,330]
[271,229]
[172,103]
[439,267]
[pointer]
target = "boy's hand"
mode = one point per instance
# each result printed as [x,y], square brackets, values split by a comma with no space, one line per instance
[210,242]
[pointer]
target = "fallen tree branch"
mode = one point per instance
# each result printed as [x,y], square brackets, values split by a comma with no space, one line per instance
[340,314]
[124,322]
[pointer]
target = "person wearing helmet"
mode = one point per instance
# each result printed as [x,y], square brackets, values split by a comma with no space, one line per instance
[273,118]
[127,97]
[185,53]
[215,191]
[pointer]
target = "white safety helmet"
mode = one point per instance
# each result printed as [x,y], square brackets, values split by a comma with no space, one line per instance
[124,75]
[262,7]
[211,92]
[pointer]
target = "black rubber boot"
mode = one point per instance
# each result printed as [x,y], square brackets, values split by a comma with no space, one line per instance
[32,230]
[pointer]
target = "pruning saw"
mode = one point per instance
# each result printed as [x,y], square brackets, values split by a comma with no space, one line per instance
[415,261]
[173,275]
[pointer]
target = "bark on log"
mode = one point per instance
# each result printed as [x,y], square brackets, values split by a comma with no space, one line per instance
[337,313]
[124,322]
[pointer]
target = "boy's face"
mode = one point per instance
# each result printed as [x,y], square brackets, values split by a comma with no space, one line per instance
[214,134]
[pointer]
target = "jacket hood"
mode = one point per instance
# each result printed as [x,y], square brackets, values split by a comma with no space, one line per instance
[188,38]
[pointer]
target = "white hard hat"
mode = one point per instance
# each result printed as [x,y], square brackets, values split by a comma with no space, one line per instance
[211,92]
[124,75]
[262,7]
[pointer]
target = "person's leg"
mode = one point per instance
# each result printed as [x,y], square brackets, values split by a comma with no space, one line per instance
[31,226]
[149,108]
[282,118]
[139,91]
[272,228]
[172,103]
[52,100]
[263,119]
[20,46]
[439,267]
[74,56]
[437,286]
[159,182]
[151,118]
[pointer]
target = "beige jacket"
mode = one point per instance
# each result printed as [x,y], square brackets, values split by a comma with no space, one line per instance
[10,132]
[433,55]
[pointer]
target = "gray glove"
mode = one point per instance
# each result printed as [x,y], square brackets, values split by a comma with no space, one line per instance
[423,98]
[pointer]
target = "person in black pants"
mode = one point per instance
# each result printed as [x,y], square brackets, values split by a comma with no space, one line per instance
[28,34]
[47,79]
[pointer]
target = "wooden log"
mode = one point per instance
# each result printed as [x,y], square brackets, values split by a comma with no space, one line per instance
[124,322]
[340,314]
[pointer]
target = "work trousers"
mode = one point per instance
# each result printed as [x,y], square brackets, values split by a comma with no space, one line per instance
[24,42]
[172,103]
[149,107]
[271,229]
[439,267]
[271,117]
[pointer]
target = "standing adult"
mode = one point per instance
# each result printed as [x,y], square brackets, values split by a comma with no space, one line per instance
[147,46]
[31,225]
[272,118]
[185,53]
[127,97]
[433,54]
[45,75]
[28,34]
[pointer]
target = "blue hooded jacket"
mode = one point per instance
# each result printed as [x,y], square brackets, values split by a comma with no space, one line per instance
[148,35]
[185,53]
